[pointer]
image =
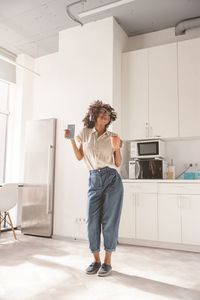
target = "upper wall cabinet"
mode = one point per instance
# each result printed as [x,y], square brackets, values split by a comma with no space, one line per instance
[149,93]
[163,94]
[189,87]
[135,94]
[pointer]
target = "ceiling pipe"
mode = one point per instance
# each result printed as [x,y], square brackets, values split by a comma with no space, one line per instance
[69,13]
[104,7]
[182,26]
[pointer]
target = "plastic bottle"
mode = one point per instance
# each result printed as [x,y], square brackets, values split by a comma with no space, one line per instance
[171,170]
[197,171]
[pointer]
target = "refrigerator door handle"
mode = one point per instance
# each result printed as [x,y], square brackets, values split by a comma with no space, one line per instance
[49,180]
[137,169]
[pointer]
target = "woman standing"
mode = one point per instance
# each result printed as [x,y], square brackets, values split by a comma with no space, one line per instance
[100,149]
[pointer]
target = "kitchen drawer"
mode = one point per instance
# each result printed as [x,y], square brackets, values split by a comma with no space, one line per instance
[146,187]
[179,188]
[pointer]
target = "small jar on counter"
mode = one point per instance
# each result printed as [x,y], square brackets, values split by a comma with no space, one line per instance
[171,171]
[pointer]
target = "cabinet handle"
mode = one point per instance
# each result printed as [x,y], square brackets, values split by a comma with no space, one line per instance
[137,200]
[49,183]
[179,202]
[186,203]
[180,186]
[147,130]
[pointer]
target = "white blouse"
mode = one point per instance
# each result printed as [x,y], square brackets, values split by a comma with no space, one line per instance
[98,151]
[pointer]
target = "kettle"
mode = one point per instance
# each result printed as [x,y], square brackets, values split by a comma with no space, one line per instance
[134,169]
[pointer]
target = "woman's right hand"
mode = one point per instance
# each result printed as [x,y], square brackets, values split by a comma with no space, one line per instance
[66,133]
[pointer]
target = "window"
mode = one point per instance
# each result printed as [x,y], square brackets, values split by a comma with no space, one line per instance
[4,93]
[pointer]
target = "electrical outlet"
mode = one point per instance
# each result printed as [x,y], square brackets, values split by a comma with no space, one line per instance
[80,221]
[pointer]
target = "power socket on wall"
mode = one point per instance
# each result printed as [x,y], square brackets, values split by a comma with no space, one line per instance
[79,220]
[80,229]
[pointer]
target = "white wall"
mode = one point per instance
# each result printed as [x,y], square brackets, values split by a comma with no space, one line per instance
[81,72]
[120,39]
[156,38]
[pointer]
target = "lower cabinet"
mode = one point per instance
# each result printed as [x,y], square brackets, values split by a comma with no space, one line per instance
[169,218]
[146,216]
[179,213]
[190,216]
[164,213]
[139,213]
[127,222]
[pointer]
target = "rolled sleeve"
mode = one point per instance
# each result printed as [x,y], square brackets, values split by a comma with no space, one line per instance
[79,137]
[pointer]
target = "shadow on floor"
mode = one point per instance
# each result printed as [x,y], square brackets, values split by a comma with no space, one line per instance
[156,287]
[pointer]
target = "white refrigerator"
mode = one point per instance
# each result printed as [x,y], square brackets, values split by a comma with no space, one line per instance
[38,186]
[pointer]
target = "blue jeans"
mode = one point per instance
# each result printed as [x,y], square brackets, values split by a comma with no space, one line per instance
[105,196]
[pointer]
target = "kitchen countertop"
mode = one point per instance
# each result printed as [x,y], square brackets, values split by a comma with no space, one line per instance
[19,184]
[162,180]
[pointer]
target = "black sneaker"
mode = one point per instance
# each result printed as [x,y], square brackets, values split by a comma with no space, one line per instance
[93,268]
[105,270]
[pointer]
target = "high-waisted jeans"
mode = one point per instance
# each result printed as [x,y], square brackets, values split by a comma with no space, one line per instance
[105,196]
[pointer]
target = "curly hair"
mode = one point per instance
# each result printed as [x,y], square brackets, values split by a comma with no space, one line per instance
[93,113]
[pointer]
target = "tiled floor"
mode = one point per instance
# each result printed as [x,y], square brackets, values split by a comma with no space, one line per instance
[49,269]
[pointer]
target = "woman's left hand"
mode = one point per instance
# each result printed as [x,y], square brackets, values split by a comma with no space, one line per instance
[116,142]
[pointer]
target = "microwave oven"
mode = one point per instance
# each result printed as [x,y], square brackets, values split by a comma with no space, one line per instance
[147,149]
[147,169]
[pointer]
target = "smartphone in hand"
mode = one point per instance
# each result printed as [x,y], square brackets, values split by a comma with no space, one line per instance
[70,131]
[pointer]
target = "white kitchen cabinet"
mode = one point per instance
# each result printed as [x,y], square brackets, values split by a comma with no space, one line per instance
[190,214]
[146,216]
[135,94]
[149,93]
[161,214]
[163,94]
[139,212]
[189,87]
[169,218]
[178,213]
[127,222]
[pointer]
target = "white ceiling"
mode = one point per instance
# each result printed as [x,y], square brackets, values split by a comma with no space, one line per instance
[32,26]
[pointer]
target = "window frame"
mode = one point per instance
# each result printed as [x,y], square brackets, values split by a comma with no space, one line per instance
[5,113]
